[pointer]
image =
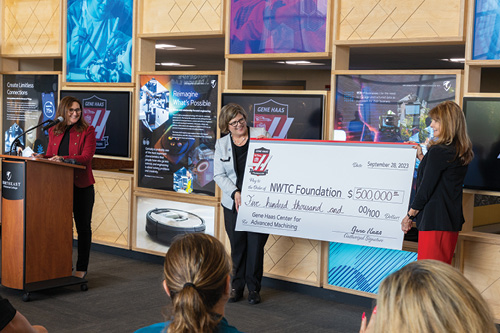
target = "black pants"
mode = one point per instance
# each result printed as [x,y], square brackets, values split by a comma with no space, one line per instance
[247,253]
[83,203]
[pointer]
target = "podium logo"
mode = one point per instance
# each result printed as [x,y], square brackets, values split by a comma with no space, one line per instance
[261,158]
[8,184]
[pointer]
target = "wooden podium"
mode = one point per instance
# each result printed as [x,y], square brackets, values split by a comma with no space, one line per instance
[37,224]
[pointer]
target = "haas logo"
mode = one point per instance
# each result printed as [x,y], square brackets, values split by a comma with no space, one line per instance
[273,116]
[260,161]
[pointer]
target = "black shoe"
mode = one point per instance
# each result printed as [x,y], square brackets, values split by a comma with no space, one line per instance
[254,297]
[235,295]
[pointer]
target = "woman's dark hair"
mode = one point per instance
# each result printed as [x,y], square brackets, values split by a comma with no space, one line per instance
[196,270]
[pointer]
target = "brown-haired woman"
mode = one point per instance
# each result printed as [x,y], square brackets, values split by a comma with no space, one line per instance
[437,206]
[196,270]
[74,139]
[247,248]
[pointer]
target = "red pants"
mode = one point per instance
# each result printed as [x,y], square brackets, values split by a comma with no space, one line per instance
[437,245]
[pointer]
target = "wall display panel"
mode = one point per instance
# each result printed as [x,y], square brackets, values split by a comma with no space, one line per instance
[158,221]
[28,101]
[400,20]
[177,132]
[362,268]
[483,125]
[109,113]
[275,26]
[284,116]
[486,42]
[99,41]
[389,108]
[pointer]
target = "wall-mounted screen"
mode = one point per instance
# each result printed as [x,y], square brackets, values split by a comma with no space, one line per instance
[483,125]
[486,43]
[276,26]
[389,108]
[28,101]
[284,116]
[109,113]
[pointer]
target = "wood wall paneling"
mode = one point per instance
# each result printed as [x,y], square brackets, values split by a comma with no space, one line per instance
[400,20]
[181,17]
[31,28]
[111,214]
[480,263]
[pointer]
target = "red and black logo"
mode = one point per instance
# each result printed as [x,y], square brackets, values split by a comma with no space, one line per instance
[261,158]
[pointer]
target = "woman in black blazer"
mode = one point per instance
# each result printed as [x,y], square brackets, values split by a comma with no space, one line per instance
[437,206]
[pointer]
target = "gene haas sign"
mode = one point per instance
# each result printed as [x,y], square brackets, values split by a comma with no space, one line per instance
[273,116]
[95,112]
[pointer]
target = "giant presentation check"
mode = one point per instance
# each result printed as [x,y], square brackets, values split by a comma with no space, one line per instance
[333,191]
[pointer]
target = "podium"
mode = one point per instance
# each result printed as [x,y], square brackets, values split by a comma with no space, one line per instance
[37,224]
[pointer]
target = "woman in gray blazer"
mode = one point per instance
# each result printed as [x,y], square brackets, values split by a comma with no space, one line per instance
[247,248]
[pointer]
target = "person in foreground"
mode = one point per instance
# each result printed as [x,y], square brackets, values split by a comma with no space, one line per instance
[196,269]
[247,248]
[428,296]
[12,321]
[74,139]
[437,205]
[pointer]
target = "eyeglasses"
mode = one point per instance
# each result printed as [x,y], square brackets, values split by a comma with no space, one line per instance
[238,122]
[74,110]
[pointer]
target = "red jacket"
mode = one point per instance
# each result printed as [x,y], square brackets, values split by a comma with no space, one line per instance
[81,149]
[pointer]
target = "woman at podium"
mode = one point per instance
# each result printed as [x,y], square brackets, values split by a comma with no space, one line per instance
[74,139]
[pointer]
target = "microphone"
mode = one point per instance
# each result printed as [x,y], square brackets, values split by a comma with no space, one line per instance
[52,123]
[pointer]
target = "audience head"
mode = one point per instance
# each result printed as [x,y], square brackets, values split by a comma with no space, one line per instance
[196,269]
[430,296]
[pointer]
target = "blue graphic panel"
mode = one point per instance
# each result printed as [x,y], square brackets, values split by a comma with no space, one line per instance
[486,44]
[362,267]
[277,26]
[99,41]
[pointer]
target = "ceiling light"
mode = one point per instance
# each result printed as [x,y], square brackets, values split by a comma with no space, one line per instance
[299,63]
[171,47]
[462,60]
[173,64]
[164,46]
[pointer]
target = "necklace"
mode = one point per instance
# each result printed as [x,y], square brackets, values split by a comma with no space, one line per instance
[241,142]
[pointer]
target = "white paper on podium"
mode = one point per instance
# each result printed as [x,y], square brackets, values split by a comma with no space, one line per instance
[351,193]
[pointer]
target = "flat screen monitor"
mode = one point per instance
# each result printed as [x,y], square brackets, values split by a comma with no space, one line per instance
[389,107]
[109,113]
[284,116]
[482,115]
